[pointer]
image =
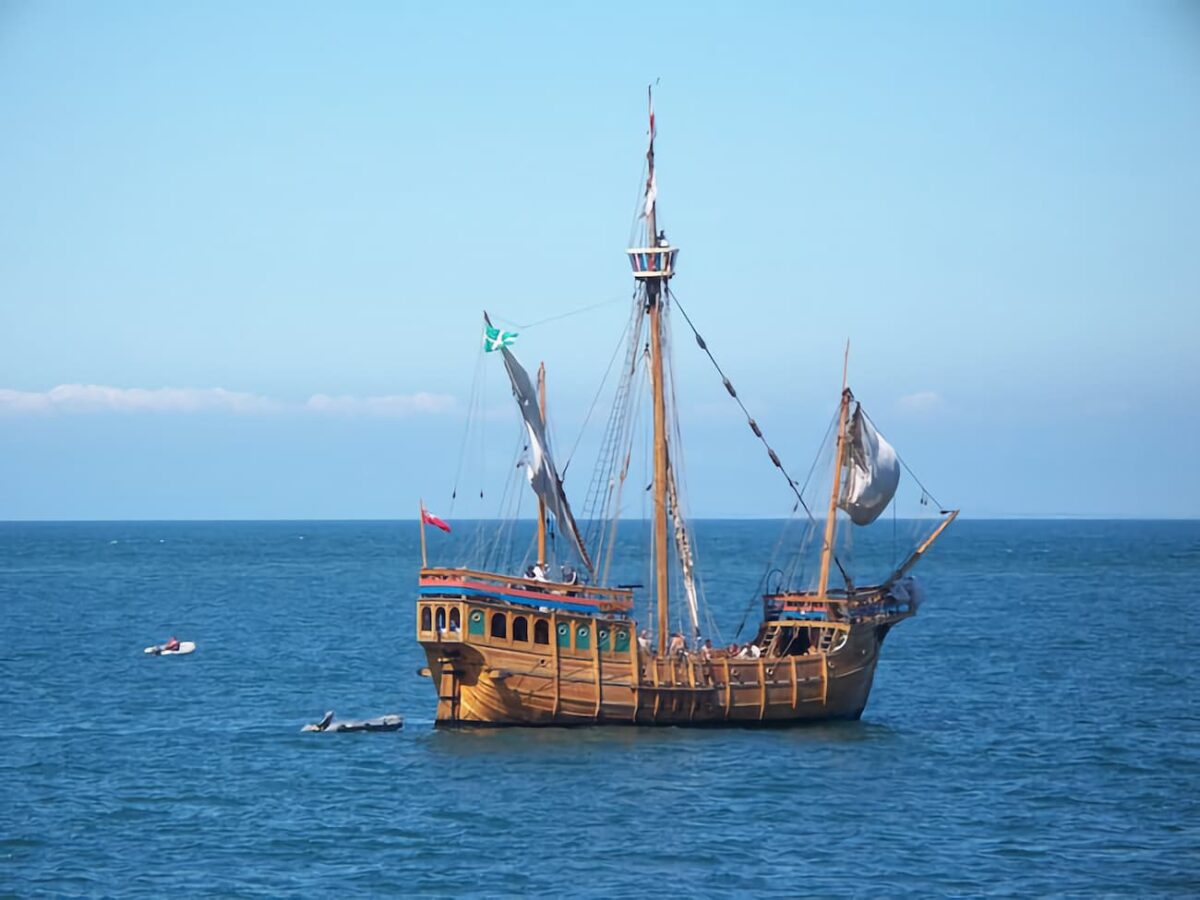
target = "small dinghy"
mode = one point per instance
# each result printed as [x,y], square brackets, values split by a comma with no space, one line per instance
[184,648]
[380,723]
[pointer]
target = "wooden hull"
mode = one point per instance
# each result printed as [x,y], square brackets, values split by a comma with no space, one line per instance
[593,672]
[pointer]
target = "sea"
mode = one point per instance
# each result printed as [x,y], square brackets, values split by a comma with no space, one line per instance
[1035,729]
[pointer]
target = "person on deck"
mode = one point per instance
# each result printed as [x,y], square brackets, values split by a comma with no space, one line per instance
[644,641]
[677,646]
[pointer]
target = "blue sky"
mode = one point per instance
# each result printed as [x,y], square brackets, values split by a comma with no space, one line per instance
[214,213]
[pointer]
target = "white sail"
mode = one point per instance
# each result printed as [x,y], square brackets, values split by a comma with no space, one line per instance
[872,472]
[543,474]
[687,563]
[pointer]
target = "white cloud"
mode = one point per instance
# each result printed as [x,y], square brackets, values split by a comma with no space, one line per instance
[93,398]
[921,402]
[394,405]
[97,398]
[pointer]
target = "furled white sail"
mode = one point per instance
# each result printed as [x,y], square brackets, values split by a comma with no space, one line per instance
[873,471]
[543,475]
[687,562]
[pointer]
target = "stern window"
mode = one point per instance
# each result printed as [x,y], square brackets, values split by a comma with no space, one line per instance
[499,625]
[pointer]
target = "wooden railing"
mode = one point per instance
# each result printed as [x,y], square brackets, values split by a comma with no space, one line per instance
[612,595]
[793,599]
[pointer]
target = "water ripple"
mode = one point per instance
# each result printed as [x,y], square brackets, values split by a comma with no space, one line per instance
[1025,736]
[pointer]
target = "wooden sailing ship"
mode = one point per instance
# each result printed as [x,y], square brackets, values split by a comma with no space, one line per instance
[559,646]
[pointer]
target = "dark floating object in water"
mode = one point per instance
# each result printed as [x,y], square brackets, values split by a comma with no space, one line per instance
[380,723]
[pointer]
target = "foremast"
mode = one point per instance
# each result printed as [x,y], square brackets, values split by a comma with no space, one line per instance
[866,471]
[839,458]
[653,266]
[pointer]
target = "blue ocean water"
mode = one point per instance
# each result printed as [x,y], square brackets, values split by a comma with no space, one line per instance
[1033,730]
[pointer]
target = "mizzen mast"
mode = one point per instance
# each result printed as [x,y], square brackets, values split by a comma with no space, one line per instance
[653,266]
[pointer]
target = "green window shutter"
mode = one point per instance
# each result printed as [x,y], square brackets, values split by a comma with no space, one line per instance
[475,622]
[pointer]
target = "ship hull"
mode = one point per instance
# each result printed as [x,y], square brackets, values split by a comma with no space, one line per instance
[593,673]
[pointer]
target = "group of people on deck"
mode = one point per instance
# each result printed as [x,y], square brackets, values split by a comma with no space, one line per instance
[677,648]
[538,572]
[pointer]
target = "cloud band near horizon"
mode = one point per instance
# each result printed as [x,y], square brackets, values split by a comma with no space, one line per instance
[66,399]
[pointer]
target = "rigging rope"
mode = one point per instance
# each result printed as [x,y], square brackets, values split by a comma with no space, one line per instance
[638,205]
[684,541]
[733,393]
[596,399]
[610,508]
[555,318]
[750,420]
[810,529]
[758,592]
[473,401]
[907,468]
[510,496]
[599,492]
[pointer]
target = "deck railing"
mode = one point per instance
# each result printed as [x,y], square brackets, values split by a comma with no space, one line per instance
[528,589]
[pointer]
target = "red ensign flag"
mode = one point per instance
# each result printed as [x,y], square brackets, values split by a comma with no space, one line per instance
[430,519]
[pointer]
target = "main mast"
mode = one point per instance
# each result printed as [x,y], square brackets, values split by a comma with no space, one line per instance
[653,265]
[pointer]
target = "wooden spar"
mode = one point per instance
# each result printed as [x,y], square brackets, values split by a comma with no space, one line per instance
[654,307]
[635,672]
[762,688]
[654,680]
[557,664]
[660,470]
[831,521]
[541,553]
[916,555]
[728,687]
[424,562]
[596,674]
